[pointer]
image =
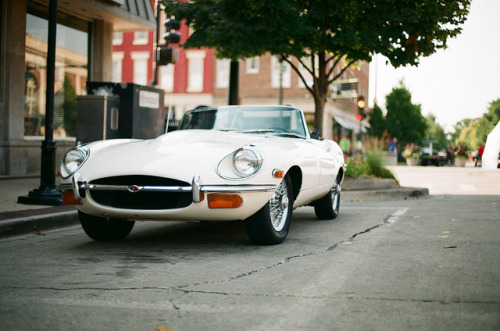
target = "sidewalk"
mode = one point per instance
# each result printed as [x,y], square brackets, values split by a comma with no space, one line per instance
[18,219]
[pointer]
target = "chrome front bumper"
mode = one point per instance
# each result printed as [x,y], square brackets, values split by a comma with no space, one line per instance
[196,188]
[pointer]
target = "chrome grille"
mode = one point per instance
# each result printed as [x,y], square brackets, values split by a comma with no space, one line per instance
[144,200]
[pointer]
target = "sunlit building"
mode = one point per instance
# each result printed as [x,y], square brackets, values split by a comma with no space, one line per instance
[83,53]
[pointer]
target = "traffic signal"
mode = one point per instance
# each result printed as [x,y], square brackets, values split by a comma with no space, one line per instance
[165,53]
[170,36]
[361,109]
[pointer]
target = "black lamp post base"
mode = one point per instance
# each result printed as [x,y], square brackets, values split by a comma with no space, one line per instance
[39,196]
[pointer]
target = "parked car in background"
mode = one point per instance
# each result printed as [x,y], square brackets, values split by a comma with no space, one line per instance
[433,157]
[250,163]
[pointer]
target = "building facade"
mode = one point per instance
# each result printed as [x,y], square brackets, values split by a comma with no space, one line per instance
[83,53]
[187,84]
[199,78]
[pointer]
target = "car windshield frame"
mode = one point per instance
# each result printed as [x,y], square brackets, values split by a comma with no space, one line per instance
[275,120]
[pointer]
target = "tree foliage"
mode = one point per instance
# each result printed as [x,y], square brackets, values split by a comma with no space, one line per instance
[488,121]
[435,132]
[377,122]
[473,132]
[404,119]
[325,36]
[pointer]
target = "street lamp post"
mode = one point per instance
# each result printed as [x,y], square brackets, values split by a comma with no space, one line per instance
[47,194]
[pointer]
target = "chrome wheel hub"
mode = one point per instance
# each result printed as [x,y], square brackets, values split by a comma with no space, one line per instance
[278,207]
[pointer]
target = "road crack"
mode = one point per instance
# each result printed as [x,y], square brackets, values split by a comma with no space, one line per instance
[283,261]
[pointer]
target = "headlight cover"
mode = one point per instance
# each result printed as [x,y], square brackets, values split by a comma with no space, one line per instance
[73,160]
[246,161]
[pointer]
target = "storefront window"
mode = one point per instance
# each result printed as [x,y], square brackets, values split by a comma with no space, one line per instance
[70,76]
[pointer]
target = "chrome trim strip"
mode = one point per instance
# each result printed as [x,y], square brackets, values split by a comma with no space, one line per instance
[238,188]
[65,187]
[104,187]
[201,188]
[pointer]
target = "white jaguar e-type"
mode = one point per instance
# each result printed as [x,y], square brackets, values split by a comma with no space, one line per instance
[251,163]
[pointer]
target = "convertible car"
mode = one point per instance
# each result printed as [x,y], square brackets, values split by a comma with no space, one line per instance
[250,163]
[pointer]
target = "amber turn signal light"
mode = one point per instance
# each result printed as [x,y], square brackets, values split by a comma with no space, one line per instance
[69,198]
[278,173]
[224,201]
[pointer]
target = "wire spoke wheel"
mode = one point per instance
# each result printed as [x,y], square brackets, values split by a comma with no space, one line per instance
[269,226]
[278,207]
[327,208]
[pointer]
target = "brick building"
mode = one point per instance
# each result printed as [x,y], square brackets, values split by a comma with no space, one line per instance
[198,78]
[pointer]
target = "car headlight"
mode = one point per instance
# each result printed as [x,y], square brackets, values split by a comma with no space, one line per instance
[73,160]
[246,161]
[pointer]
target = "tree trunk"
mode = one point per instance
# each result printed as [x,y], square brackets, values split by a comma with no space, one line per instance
[320,94]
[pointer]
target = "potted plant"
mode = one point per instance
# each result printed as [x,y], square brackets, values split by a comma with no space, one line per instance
[412,154]
[461,155]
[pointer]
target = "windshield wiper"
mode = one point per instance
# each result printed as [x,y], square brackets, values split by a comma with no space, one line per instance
[289,134]
[258,131]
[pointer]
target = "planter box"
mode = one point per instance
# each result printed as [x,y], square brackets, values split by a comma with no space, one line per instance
[412,162]
[460,162]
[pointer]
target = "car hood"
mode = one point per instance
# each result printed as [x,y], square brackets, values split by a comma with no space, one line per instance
[179,154]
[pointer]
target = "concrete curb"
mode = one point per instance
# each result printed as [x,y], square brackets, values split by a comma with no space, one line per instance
[368,184]
[399,193]
[37,224]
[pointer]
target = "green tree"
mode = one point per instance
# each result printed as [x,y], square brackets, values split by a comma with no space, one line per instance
[69,107]
[404,119]
[435,132]
[468,136]
[377,122]
[325,36]
[457,129]
[488,122]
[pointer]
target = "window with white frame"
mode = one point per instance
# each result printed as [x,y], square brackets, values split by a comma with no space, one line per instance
[278,68]
[117,38]
[140,67]
[222,74]
[195,70]
[253,65]
[141,38]
[116,74]
[167,77]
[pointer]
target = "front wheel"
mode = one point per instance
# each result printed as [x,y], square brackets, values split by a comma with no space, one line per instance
[269,226]
[327,207]
[103,229]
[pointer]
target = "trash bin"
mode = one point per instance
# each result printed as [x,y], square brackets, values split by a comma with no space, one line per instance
[141,108]
[97,118]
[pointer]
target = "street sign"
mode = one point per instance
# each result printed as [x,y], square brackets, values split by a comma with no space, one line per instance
[344,89]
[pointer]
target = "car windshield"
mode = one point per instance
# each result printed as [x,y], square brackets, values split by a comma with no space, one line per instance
[278,120]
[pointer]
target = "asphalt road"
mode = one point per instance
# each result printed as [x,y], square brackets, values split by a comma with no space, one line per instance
[426,264]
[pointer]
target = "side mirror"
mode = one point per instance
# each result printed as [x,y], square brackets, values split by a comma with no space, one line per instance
[314,133]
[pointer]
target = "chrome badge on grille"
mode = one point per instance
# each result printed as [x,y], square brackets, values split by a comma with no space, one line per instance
[134,188]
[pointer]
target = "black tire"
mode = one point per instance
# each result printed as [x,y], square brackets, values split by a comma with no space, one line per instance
[103,229]
[327,208]
[270,225]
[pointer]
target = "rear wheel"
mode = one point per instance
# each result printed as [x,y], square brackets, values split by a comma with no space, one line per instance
[327,207]
[103,229]
[269,226]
